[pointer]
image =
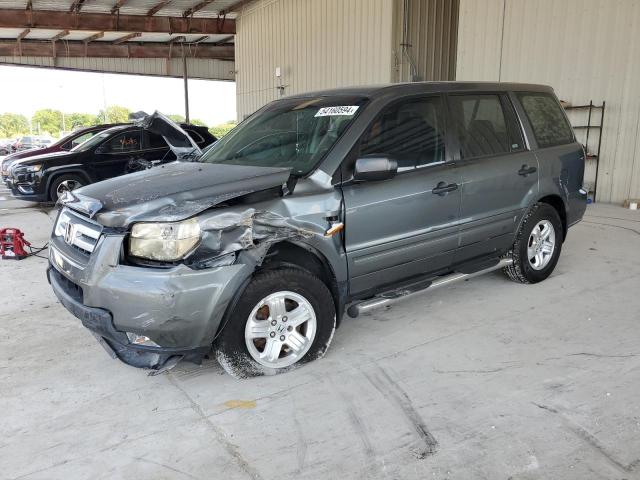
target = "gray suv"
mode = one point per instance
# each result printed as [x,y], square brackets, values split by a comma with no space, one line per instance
[316,205]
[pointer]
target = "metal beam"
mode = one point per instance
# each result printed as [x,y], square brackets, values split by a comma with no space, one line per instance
[185,78]
[93,37]
[76,6]
[126,38]
[57,20]
[116,7]
[158,7]
[39,48]
[197,7]
[224,41]
[234,7]
[23,33]
[60,35]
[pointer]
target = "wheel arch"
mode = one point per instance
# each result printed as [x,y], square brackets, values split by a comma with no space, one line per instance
[558,204]
[304,256]
[297,255]
[57,173]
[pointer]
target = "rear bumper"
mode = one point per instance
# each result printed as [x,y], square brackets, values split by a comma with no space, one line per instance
[577,207]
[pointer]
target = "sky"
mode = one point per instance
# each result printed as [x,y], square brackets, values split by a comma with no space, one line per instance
[27,89]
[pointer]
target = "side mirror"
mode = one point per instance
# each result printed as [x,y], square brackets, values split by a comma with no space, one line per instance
[374,168]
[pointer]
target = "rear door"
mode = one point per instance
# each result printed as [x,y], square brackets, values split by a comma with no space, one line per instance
[400,228]
[499,173]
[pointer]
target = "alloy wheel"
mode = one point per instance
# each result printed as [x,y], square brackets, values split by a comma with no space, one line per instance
[541,245]
[280,329]
[67,186]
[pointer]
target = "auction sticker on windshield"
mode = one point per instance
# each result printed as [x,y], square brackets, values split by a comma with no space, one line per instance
[338,110]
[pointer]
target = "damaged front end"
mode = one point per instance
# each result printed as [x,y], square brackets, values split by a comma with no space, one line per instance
[151,265]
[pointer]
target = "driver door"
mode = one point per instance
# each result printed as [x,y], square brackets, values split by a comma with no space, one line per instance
[405,226]
[111,157]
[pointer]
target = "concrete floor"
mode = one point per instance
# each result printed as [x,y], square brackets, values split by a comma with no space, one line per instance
[484,380]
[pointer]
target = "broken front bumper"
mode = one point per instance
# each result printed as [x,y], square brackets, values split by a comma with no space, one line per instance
[178,308]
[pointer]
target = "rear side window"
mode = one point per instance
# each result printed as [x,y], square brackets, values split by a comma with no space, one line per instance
[411,132]
[485,125]
[549,124]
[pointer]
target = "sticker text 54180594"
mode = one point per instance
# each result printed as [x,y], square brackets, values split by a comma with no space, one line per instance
[337,110]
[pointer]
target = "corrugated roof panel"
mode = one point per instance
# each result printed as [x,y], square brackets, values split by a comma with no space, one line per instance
[132,7]
[197,68]
[11,33]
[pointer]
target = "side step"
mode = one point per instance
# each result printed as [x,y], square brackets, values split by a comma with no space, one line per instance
[389,298]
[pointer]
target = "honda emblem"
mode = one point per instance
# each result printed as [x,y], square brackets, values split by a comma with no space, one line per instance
[69,233]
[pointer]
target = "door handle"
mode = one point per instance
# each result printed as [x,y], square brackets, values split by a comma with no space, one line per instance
[443,188]
[526,170]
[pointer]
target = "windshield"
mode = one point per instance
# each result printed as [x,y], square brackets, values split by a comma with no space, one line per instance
[95,140]
[293,133]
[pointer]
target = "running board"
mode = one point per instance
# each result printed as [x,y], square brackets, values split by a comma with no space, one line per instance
[394,296]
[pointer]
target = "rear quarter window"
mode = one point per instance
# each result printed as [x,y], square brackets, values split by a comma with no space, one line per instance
[549,124]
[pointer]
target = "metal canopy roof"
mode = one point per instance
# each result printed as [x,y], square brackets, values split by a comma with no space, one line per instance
[204,29]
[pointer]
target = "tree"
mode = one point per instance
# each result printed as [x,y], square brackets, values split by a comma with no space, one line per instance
[176,118]
[78,120]
[12,124]
[196,121]
[221,130]
[114,114]
[47,121]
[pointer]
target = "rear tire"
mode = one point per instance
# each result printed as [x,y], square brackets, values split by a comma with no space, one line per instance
[284,318]
[66,181]
[537,246]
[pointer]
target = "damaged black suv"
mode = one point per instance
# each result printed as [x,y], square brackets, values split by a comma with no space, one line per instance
[317,204]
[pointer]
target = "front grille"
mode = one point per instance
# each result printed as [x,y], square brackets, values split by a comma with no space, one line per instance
[78,232]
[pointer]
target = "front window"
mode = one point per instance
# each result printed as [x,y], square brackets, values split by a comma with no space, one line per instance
[411,132]
[93,141]
[292,133]
[123,143]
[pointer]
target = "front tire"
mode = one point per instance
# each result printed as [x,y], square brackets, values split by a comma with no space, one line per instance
[63,183]
[284,318]
[537,246]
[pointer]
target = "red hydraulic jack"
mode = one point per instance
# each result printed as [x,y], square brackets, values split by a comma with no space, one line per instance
[12,244]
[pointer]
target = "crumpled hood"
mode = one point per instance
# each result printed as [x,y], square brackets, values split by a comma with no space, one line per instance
[179,141]
[170,192]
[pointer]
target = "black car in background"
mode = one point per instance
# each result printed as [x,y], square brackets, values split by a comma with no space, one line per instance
[63,145]
[152,140]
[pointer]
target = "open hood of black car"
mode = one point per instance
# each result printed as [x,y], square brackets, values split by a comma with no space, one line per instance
[170,192]
[179,141]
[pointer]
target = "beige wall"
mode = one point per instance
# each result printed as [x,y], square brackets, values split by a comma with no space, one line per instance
[585,49]
[432,38]
[317,44]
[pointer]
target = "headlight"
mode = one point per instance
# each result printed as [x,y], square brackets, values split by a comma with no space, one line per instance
[164,241]
[34,168]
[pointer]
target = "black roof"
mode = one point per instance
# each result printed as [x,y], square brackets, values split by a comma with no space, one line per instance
[427,87]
